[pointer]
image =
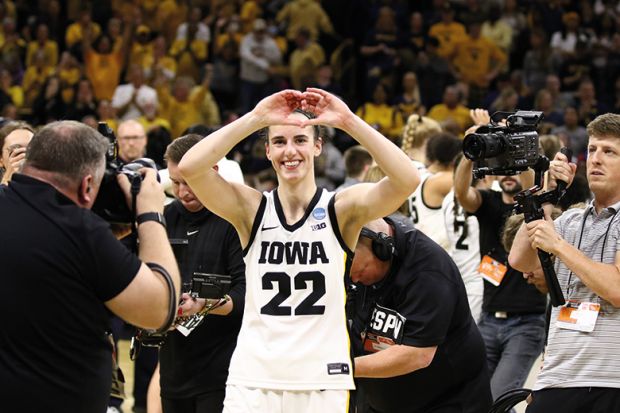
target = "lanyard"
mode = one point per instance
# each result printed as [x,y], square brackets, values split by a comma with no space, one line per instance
[583,225]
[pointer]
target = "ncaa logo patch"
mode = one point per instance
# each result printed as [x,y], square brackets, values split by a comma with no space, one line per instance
[319,213]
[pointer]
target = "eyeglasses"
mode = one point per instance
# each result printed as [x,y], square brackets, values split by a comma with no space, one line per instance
[131,138]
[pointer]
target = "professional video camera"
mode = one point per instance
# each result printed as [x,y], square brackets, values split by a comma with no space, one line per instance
[110,203]
[504,149]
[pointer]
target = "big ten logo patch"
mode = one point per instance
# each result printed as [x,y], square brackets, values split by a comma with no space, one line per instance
[384,329]
[318,226]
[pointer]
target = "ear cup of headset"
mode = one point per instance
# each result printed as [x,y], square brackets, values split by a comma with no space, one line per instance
[382,244]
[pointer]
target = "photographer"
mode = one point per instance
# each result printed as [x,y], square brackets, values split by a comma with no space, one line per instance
[416,344]
[62,268]
[582,368]
[512,323]
[193,369]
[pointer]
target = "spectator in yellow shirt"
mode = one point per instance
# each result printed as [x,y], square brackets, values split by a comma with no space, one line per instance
[159,61]
[190,50]
[69,73]
[106,113]
[304,13]
[380,115]
[447,31]
[142,47]
[151,120]
[75,31]
[477,61]
[170,14]
[187,105]
[305,60]
[35,78]
[451,110]
[103,64]
[42,43]
[250,11]
[15,92]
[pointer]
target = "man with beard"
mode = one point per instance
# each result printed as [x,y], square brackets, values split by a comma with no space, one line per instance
[512,323]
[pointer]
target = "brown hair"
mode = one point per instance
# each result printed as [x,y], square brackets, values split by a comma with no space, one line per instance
[319,131]
[178,147]
[605,125]
[355,159]
[13,126]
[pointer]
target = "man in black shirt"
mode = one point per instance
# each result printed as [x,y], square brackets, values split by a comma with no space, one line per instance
[63,261]
[194,368]
[512,323]
[416,344]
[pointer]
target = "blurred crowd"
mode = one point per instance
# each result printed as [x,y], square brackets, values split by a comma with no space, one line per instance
[172,64]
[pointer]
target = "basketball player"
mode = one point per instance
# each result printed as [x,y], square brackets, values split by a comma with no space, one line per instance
[292,353]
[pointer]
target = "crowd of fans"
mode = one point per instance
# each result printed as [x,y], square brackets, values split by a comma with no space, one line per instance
[414,70]
[172,64]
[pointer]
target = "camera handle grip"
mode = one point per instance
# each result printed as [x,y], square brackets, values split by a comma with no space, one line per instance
[561,185]
[553,285]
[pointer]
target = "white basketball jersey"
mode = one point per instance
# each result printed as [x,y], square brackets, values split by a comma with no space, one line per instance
[294,332]
[464,237]
[427,219]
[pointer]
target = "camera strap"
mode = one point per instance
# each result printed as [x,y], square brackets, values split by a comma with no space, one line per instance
[172,296]
[135,189]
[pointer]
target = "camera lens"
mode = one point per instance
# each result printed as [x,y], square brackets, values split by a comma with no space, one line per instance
[478,146]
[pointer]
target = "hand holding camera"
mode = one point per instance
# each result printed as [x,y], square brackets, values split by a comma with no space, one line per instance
[560,169]
[151,196]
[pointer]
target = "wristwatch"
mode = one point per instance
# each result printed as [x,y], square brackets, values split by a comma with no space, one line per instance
[151,216]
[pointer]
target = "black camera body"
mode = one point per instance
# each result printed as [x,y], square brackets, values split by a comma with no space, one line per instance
[504,149]
[111,204]
[210,286]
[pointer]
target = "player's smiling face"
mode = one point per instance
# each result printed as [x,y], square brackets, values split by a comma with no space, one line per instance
[292,150]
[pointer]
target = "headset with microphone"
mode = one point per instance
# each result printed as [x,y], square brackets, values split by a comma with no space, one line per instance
[382,244]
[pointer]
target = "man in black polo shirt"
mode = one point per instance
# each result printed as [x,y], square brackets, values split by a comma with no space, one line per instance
[416,344]
[512,323]
[62,268]
[194,368]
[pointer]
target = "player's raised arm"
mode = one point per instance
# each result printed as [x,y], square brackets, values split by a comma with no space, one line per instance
[361,203]
[237,203]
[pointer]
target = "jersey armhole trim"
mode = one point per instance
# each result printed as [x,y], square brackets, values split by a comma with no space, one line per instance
[422,196]
[257,220]
[331,209]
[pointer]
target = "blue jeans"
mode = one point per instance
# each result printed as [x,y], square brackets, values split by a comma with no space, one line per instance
[512,346]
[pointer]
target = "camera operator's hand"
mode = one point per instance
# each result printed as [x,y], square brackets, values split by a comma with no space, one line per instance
[560,169]
[542,235]
[480,116]
[151,196]
[190,305]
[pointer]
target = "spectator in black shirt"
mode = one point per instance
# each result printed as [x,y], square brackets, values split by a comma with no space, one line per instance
[65,262]
[416,344]
[193,369]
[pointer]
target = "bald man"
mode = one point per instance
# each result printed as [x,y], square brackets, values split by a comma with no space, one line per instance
[131,141]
